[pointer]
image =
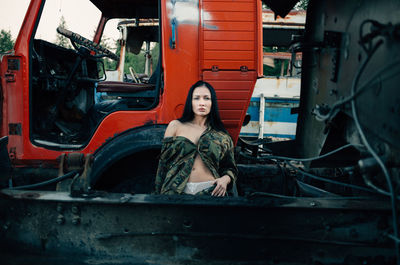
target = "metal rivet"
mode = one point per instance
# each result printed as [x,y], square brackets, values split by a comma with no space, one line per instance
[187,224]
[6,226]
[60,219]
[75,209]
[76,220]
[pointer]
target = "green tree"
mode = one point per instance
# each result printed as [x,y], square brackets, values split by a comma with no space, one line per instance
[275,71]
[6,41]
[136,61]
[61,40]
[110,64]
[302,4]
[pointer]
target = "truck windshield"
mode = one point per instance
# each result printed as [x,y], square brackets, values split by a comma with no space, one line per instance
[77,16]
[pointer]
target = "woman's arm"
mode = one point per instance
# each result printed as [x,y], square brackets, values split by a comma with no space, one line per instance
[228,163]
[172,128]
[227,170]
[162,169]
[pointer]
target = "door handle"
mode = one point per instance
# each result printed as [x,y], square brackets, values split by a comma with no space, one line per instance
[172,40]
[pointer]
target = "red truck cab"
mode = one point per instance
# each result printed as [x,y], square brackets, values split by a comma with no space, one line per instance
[49,105]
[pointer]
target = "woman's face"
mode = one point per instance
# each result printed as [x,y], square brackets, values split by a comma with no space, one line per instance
[201,101]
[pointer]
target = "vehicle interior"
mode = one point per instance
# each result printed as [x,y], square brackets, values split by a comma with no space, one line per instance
[75,82]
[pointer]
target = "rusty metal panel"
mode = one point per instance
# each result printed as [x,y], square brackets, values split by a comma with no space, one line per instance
[179,229]
[331,64]
[278,31]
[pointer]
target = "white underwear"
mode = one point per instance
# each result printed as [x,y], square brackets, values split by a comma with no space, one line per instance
[195,187]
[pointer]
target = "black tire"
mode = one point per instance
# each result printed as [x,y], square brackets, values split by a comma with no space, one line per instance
[131,157]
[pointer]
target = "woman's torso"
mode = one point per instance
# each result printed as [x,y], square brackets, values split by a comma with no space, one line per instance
[199,172]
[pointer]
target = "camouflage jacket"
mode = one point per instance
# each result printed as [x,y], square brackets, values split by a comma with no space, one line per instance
[178,154]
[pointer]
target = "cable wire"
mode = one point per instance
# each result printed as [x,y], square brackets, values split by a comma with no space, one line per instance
[371,150]
[371,82]
[377,29]
[372,185]
[50,181]
[330,180]
[311,158]
[314,176]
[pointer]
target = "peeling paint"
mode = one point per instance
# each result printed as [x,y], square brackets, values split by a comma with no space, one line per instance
[184,11]
[187,12]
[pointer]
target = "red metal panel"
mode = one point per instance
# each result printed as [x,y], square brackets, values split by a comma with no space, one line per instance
[229,95]
[17,101]
[223,6]
[229,16]
[229,45]
[230,104]
[259,45]
[228,65]
[227,35]
[229,26]
[229,55]
[231,124]
[228,1]
[230,114]
[234,90]
[229,76]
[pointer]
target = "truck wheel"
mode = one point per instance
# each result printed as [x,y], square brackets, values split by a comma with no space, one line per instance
[128,162]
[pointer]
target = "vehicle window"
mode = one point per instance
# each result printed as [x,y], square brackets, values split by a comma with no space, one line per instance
[78,16]
[137,45]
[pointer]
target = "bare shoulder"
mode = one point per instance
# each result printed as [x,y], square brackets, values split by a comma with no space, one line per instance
[172,128]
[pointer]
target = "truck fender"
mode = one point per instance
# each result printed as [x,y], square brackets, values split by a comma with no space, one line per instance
[124,145]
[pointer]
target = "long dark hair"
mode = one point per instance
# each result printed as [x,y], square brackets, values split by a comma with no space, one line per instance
[213,119]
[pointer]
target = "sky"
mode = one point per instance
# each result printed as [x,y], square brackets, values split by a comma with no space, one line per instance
[81,17]
[12,14]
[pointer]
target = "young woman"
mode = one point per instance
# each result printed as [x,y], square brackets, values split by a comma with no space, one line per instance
[197,154]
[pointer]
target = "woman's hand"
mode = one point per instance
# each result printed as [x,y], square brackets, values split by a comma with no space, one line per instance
[221,185]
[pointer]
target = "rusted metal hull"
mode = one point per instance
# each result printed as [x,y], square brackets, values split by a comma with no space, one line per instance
[148,229]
